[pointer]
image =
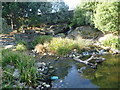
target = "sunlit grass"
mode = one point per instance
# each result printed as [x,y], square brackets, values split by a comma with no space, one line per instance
[41,40]
[21,47]
[111,41]
[63,46]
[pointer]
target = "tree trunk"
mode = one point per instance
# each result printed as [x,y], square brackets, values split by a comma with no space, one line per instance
[12,24]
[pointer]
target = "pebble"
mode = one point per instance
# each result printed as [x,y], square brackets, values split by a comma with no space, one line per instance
[61,81]
[47,85]
[16,73]
[8,46]
[9,66]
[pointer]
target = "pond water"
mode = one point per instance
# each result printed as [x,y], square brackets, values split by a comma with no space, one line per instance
[105,76]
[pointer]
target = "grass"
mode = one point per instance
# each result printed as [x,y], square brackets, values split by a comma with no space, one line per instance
[24,63]
[111,41]
[41,40]
[22,42]
[21,47]
[63,46]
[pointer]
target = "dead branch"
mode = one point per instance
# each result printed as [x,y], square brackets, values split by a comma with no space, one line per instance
[100,59]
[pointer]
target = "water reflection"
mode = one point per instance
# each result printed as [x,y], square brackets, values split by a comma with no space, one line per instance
[106,75]
[73,80]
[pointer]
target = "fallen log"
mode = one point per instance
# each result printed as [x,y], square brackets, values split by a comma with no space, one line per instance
[86,62]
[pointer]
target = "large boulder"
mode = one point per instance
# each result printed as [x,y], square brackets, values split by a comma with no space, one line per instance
[62,35]
[85,32]
[29,31]
[57,28]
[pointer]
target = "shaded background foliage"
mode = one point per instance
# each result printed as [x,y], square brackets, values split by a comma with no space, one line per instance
[33,13]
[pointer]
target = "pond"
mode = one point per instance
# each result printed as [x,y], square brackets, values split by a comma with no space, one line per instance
[105,76]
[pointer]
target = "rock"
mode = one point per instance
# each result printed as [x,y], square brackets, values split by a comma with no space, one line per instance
[81,69]
[16,73]
[57,28]
[38,64]
[50,67]
[8,46]
[9,66]
[47,85]
[73,34]
[14,86]
[62,35]
[28,31]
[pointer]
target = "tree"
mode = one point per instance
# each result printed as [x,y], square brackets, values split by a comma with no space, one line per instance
[10,12]
[106,17]
[83,14]
[31,13]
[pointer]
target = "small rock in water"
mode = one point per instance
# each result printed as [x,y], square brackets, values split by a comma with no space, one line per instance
[61,81]
[81,69]
[47,85]
[51,67]
[14,86]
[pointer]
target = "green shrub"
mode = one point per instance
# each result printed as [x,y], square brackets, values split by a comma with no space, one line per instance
[106,17]
[79,16]
[21,61]
[21,47]
[41,40]
[111,41]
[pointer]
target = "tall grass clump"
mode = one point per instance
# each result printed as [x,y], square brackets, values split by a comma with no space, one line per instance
[21,61]
[83,43]
[61,45]
[41,40]
[111,41]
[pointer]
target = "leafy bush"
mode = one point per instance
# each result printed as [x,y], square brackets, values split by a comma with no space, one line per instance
[83,14]
[41,40]
[79,16]
[106,17]
[24,63]
[21,47]
[111,41]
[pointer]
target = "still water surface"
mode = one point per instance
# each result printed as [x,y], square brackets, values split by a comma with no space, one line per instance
[106,75]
